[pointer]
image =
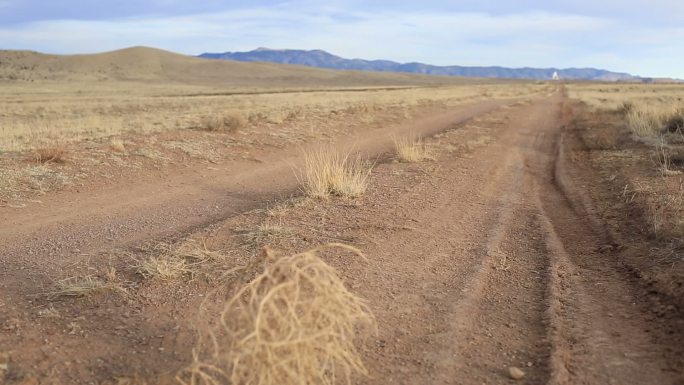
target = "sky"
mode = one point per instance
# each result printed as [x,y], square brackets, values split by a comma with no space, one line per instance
[643,38]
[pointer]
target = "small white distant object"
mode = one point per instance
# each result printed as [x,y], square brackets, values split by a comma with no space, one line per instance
[555,76]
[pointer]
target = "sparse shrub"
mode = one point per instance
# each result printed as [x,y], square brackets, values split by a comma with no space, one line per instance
[295,323]
[117,145]
[327,172]
[411,150]
[655,120]
[228,122]
[52,154]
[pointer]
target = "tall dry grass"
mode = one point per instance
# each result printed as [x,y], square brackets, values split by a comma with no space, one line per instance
[295,323]
[410,149]
[327,172]
[653,120]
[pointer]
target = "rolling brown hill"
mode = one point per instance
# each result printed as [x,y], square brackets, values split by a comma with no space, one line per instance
[143,64]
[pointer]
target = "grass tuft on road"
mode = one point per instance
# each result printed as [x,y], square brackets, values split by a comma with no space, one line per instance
[327,173]
[411,150]
[86,286]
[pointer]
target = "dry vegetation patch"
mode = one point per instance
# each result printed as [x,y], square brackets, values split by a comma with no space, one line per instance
[295,323]
[86,286]
[228,123]
[327,172]
[191,257]
[410,149]
[55,154]
[265,233]
[655,120]
[640,195]
[16,185]
[650,162]
[164,267]
[112,108]
[117,145]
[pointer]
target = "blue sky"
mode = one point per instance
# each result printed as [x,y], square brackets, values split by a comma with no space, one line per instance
[641,37]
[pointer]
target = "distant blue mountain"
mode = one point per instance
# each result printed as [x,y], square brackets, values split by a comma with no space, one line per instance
[323,59]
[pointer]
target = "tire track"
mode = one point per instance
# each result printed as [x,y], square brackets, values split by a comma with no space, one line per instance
[599,334]
[441,281]
[480,293]
[506,313]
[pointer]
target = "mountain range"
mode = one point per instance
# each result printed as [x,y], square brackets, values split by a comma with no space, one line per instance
[323,59]
[155,66]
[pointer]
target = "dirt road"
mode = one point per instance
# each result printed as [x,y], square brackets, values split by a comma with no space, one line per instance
[501,271]
[479,261]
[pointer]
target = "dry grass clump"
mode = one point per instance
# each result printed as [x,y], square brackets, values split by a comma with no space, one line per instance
[327,173]
[170,262]
[266,233]
[117,145]
[197,252]
[665,211]
[295,323]
[664,159]
[228,122]
[86,286]
[51,154]
[411,150]
[165,267]
[653,120]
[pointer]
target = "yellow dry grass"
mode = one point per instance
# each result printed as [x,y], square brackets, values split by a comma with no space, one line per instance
[327,172]
[618,96]
[117,145]
[265,233]
[410,149]
[54,154]
[226,122]
[86,286]
[36,115]
[190,257]
[295,323]
[653,120]
[650,109]
[164,267]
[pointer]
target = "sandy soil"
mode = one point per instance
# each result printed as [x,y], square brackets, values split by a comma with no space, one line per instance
[486,258]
